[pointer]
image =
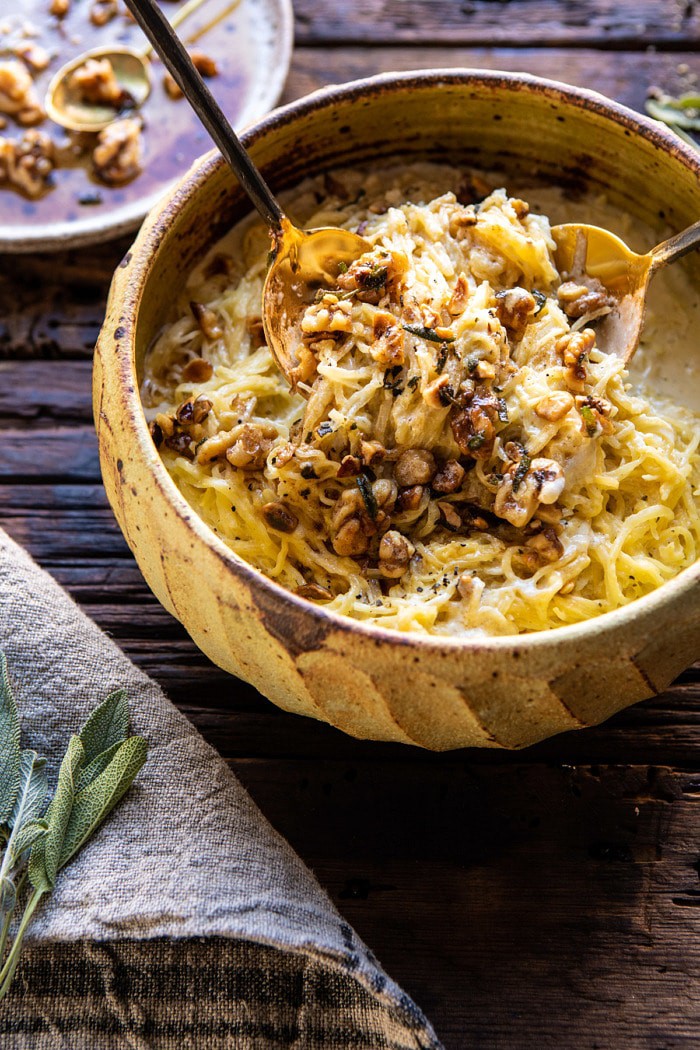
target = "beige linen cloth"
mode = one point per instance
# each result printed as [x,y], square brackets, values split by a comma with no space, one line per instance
[187,922]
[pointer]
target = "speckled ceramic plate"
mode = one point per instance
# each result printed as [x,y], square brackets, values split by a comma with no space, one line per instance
[251,46]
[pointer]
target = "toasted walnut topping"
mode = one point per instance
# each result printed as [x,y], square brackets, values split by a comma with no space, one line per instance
[467,586]
[204,64]
[435,391]
[547,545]
[156,433]
[459,297]
[181,443]
[166,424]
[449,515]
[197,371]
[279,517]
[36,57]
[582,298]
[515,308]
[462,221]
[520,207]
[208,320]
[594,412]
[96,83]
[251,447]
[17,94]
[415,466]
[314,592]
[395,553]
[350,466]
[485,370]
[172,88]
[192,412]
[216,446]
[410,499]
[27,163]
[573,348]
[103,11]
[474,428]
[59,8]
[117,156]
[449,478]
[372,452]
[331,314]
[554,406]
[351,528]
[388,340]
[373,275]
[527,484]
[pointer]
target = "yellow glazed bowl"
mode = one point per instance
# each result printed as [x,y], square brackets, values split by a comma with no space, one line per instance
[371,682]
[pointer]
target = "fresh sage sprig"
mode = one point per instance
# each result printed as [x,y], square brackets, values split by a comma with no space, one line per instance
[681,114]
[97,770]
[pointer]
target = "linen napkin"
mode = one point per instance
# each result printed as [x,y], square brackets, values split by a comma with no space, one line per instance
[186,921]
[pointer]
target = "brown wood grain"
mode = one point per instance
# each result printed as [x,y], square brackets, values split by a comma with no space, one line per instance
[540,899]
[516,23]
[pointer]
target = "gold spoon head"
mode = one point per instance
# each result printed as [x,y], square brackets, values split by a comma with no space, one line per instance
[304,261]
[594,252]
[65,105]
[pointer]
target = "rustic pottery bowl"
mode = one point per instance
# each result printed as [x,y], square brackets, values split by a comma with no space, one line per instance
[371,682]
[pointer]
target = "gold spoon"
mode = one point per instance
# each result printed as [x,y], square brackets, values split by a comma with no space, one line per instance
[589,250]
[64,103]
[302,260]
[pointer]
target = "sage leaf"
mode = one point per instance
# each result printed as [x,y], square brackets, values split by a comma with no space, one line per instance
[9,744]
[8,896]
[28,834]
[89,772]
[33,788]
[95,802]
[107,725]
[59,812]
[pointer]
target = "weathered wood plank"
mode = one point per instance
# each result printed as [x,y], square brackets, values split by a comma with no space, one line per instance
[36,392]
[51,455]
[618,23]
[625,77]
[543,907]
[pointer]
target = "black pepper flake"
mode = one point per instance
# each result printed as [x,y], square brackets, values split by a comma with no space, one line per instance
[325,428]
[90,198]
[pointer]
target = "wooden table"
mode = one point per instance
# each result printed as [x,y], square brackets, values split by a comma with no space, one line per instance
[548,898]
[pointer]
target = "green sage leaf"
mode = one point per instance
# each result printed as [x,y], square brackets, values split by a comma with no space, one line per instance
[89,772]
[33,788]
[28,834]
[9,744]
[59,812]
[8,897]
[94,803]
[107,725]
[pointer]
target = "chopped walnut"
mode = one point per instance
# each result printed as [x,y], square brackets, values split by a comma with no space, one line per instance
[350,466]
[279,517]
[459,297]
[36,57]
[395,553]
[208,320]
[527,484]
[387,340]
[554,406]
[436,390]
[410,498]
[59,8]
[462,221]
[449,478]
[204,64]
[449,515]
[415,466]
[103,11]
[585,297]
[97,84]
[197,371]
[372,452]
[117,156]
[17,95]
[27,163]
[544,548]
[515,308]
[573,348]
[194,411]
[594,412]
[351,528]
[474,429]
[331,314]
[251,447]
[172,88]
[374,275]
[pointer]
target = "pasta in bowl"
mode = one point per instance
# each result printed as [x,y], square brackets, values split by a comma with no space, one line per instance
[468,461]
[465,505]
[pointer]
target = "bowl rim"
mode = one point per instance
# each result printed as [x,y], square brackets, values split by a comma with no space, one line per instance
[128,292]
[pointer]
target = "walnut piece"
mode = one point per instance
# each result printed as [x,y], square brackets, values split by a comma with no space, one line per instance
[395,552]
[27,163]
[250,449]
[415,466]
[117,156]
[17,95]
[515,308]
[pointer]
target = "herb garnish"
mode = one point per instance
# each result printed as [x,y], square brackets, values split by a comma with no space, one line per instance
[427,333]
[98,769]
[367,495]
[681,114]
[520,471]
[541,300]
[589,420]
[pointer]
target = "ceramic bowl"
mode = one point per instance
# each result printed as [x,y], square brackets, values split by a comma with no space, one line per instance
[370,682]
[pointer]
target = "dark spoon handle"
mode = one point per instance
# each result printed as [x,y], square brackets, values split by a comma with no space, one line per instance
[179,64]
